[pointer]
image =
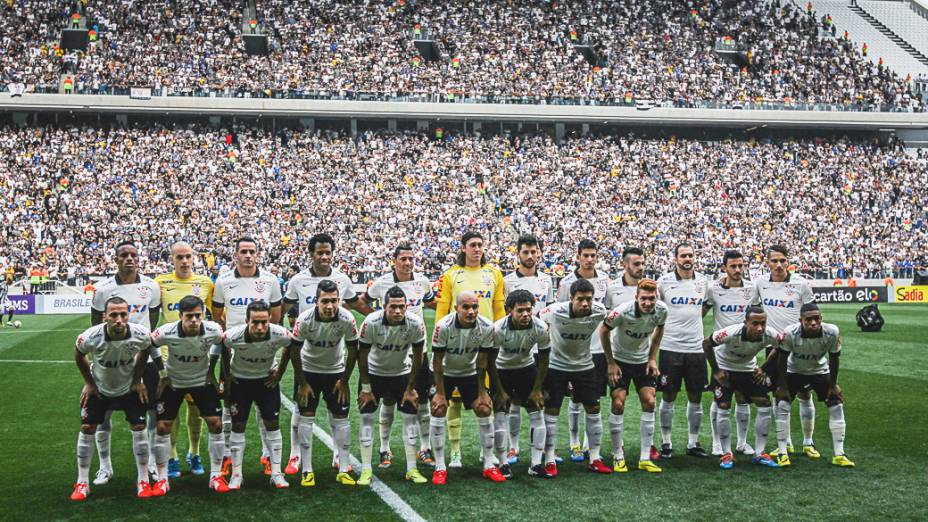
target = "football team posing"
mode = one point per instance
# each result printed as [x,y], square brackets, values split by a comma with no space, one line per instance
[500,345]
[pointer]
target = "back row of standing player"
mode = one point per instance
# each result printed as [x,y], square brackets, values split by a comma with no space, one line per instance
[324,347]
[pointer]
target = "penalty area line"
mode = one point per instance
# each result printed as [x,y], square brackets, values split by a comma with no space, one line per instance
[389,497]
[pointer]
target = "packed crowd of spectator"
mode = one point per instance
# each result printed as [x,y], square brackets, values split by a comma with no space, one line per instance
[660,50]
[72,193]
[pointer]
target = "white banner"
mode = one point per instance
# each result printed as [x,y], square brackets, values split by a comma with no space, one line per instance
[140,93]
[63,304]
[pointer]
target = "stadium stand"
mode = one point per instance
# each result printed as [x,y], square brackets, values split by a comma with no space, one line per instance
[899,18]
[841,204]
[517,52]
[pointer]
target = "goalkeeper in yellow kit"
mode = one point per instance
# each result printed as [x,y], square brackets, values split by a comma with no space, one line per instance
[469,273]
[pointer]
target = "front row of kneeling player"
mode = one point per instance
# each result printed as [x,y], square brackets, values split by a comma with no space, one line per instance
[536,359]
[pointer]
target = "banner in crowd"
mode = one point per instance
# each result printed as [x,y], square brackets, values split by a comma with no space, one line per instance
[140,93]
[860,294]
[23,304]
[911,294]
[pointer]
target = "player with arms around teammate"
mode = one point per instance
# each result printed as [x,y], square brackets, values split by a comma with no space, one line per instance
[681,357]
[729,298]
[461,346]
[118,350]
[248,352]
[388,338]
[814,350]
[301,292]
[175,286]
[143,298]
[638,327]
[782,295]
[419,295]
[587,256]
[233,292]
[471,273]
[322,335]
[571,326]
[526,277]
[519,378]
[732,354]
[186,373]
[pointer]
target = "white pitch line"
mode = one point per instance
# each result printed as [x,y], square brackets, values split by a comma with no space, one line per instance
[10,331]
[390,498]
[34,361]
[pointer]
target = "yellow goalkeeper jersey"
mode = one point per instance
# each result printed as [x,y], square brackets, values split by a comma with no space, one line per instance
[173,289]
[486,281]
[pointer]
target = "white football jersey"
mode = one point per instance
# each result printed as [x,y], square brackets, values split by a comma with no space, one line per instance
[782,300]
[734,353]
[600,287]
[540,285]
[418,291]
[631,330]
[234,293]
[809,355]
[253,358]
[618,293]
[571,336]
[301,289]
[461,345]
[142,296]
[516,346]
[187,357]
[684,299]
[112,362]
[729,304]
[391,345]
[323,348]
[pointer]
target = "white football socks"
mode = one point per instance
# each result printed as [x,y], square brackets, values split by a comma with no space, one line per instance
[666,413]
[306,441]
[437,436]
[84,457]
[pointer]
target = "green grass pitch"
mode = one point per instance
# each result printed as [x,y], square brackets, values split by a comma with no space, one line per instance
[883,376]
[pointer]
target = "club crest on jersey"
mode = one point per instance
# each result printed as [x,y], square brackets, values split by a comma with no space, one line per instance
[143,291]
[260,286]
[746,292]
[779,303]
[195,290]
[487,279]
[697,301]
